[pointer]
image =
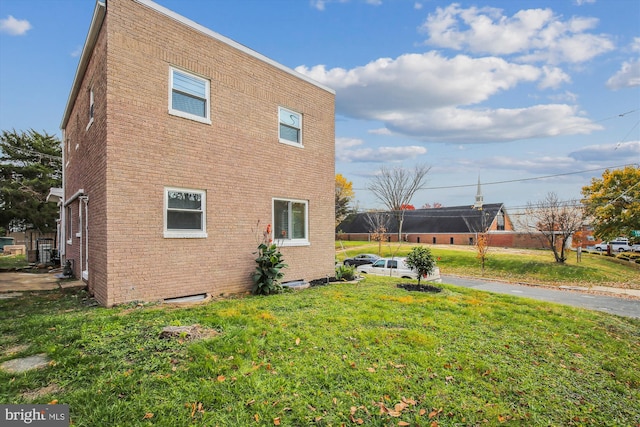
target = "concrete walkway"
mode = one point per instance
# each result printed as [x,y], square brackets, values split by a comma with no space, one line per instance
[25,282]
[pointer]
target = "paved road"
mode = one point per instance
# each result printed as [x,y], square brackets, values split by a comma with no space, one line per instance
[608,304]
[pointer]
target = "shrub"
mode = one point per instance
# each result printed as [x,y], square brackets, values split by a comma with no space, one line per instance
[421,260]
[346,272]
[266,277]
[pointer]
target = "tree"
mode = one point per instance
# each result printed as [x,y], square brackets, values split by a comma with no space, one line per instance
[555,221]
[482,247]
[377,223]
[435,205]
[613,202]
[30,164]
[344,197]
[395,188]
[421,260]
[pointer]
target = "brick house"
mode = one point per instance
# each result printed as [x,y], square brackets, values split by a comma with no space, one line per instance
[180,146]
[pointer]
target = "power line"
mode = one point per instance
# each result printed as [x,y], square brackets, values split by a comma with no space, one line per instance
[518,180]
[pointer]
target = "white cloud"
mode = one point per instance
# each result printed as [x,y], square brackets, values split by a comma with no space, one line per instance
[492,125]
[627,76]
[322,4]
[533,34]
[77,52]
[582,2]
[621,151]
[352,150]
[419,81]
[417,6]
[567,96]
[432,98]
[14,27]
[553,78]
[635,45]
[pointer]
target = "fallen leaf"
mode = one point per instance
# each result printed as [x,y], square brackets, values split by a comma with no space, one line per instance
[403,423]
[422,412]
[148,415]
[276,421]
[371,369]
[220,378]
[434,424]
[256,417]
[53,402]
[297,341]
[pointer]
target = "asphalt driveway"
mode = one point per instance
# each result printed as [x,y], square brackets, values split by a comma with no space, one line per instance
[609,304]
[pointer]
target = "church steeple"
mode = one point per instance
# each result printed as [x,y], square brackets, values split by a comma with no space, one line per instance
[479,199]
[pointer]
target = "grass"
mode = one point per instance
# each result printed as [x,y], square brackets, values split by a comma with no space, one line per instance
[334,355]
[13,261]
[517,265]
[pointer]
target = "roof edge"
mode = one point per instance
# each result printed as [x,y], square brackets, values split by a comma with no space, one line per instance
[92,36]
[201,28]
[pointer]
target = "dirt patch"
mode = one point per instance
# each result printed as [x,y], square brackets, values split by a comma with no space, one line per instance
[15,349]
[419,288]
[36,394]
[192,332]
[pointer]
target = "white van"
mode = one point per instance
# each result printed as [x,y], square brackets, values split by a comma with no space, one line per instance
[397,267]
[618,245]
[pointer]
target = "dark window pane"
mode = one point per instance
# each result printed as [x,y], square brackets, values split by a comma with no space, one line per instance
[289,133]
[184,220]
[188,104]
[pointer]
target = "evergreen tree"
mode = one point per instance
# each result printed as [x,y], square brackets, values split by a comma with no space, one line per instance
[30,165]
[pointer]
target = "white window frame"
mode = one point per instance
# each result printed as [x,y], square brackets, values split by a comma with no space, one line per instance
[288,241]
[69,224]
[91,108]
[183,114]
[282,110]
[182,233]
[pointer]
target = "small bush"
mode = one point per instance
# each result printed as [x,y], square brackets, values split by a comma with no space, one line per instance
[346,272]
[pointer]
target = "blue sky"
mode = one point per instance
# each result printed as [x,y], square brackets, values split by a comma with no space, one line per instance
[534,93]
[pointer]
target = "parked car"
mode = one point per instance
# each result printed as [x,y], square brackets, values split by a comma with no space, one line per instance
[618,245]
[636,247]
[396,267]
[361,259]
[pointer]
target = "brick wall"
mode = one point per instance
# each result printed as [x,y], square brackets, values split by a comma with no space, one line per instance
[497,239]
[237,160]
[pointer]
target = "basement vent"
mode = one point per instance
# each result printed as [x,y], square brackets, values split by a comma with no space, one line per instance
[188,298]
[296,284]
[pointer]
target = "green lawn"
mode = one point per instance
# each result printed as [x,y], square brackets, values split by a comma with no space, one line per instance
[342,354]
[527,266]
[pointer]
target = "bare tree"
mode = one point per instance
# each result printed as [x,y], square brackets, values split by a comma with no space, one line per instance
[377,223]
[555,221]
[395,188]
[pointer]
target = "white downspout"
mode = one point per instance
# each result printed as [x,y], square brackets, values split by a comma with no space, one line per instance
[84,236]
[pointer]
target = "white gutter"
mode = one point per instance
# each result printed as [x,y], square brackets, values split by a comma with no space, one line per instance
[96,23]
[74,197]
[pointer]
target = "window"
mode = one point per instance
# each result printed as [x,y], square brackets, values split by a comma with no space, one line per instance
[68,223]
[290,223]
[189,97]
[185,214]
[290,127]
[500,221]
[91,108]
